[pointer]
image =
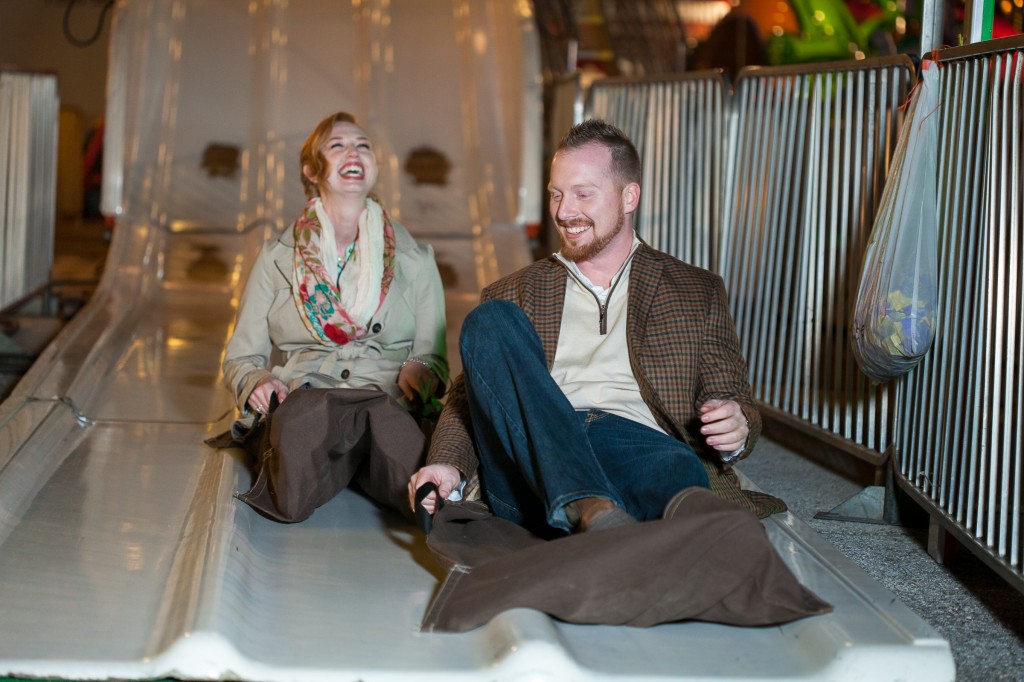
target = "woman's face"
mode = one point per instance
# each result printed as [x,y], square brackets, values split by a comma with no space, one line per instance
[351,166]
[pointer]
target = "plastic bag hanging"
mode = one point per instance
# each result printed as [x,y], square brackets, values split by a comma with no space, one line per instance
[895,313]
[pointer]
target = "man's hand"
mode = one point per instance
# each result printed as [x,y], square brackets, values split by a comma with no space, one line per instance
[444,476]
[724,425]
[259,399]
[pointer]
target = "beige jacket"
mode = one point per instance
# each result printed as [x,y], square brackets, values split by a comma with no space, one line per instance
[411,323]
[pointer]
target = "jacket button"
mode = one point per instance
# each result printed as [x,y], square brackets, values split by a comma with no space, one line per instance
[345,374]
[376,328]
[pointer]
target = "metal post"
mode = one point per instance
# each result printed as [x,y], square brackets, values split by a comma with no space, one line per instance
[932,16]
[978,15]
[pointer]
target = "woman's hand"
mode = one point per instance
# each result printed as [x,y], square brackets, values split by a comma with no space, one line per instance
[416,379]
[259,399]
[444,476]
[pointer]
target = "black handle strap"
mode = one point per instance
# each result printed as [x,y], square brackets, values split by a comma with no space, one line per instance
[423,517]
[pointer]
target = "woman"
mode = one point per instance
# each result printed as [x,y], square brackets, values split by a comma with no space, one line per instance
[350,301]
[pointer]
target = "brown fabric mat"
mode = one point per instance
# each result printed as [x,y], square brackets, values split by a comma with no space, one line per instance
[319,441]
[707,560]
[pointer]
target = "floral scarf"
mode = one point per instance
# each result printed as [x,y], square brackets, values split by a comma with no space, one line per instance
[337,307]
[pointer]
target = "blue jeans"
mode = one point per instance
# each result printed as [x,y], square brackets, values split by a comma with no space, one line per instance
[537,453]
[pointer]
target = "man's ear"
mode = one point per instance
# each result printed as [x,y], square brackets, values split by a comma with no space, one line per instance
[630,197]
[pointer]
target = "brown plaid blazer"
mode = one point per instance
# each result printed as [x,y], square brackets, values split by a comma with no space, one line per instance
[682,346]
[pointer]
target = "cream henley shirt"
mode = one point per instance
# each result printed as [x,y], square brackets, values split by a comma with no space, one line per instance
[592,368]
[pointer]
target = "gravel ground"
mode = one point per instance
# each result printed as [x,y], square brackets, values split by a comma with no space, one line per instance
[977,611]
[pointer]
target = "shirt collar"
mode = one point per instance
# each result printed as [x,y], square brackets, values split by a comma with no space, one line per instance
[596,289]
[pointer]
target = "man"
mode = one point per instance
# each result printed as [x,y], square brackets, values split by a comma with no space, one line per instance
[592,378]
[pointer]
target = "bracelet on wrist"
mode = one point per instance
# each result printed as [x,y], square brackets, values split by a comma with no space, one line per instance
[417,361]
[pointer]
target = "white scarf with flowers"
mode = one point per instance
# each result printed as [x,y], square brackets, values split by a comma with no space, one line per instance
[336,299]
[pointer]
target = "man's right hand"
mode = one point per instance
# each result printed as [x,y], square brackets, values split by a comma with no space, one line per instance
[444,476]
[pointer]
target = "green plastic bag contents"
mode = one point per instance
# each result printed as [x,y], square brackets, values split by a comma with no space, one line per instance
[894,317]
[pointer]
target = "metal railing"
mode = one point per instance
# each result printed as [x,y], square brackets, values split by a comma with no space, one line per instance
[959,450]
[677,124]
[809,148]
[29,111]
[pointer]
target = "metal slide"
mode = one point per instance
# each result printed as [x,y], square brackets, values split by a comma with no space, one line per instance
[122,551]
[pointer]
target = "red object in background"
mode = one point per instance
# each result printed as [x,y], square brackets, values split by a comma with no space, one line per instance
[862,10]
[92,158]
[1002,27]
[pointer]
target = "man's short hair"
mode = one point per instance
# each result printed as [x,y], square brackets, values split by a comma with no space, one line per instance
[625,159]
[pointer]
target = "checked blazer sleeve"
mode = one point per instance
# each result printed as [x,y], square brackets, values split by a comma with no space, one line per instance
[684,347]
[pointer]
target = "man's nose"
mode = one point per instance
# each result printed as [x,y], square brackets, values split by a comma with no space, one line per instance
[566,209]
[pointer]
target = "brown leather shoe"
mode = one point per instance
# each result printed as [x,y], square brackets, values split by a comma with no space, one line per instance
[596,513]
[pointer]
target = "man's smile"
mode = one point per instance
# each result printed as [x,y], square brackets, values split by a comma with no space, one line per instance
[577,228]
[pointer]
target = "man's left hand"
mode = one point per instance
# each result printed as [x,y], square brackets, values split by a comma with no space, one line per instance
[724,425]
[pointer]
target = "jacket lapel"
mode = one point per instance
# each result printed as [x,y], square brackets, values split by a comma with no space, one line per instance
[545,299]
[547,296]
[285,262]
[644,276]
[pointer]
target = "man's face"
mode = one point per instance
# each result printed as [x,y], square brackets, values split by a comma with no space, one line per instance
[586,201]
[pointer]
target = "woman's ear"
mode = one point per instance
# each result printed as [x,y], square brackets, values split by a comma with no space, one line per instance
[308,172]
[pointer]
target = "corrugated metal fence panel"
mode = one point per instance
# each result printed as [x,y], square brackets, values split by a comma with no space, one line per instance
[677,124]
[29,110]
[960,409]
[808,153]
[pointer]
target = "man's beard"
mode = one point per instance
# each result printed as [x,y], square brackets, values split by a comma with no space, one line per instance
[587,251]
